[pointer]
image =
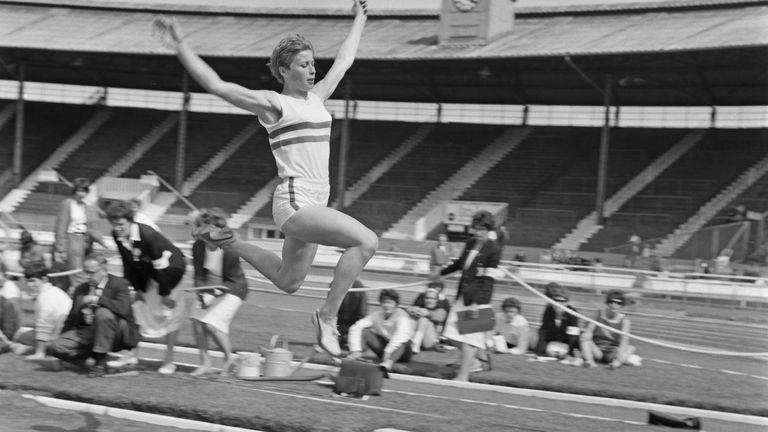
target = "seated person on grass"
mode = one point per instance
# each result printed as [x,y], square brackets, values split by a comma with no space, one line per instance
[386,332]
[100,321]
[558,327]
[511,330]
[559,331]
[52,305]
[429,313]
[10,309]
[608,346]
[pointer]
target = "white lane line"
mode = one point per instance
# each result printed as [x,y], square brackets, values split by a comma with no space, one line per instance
[517,407]
[155,419]
[726,371]
[596,400]
[719,415]
[317,399]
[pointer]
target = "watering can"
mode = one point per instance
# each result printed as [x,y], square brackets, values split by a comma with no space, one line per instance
[249,366]
[277,361]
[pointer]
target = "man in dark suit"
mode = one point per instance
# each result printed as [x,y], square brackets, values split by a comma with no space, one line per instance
[100,320]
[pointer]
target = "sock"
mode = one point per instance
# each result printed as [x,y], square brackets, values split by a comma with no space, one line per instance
[416,340]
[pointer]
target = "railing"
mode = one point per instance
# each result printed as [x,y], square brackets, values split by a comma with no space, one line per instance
[540,115]
[544,216]
[704,244]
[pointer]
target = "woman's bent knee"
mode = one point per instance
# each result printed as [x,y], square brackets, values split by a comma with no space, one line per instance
[291,287]
[369,244]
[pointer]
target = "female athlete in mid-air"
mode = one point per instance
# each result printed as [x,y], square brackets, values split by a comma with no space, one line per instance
[299,129]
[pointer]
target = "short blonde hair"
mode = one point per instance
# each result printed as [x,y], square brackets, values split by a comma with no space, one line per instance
[284,52]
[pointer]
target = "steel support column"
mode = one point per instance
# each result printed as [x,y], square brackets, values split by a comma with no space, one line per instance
[181,136]
[605,143]
[18,135]
[344,148]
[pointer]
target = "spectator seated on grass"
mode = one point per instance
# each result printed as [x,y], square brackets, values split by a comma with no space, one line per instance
[608,346]
[429,313]
[511,334]
[558,326]
[354,307]
[52,305]
[10,309]
[386,332]
[100,320]
[31,252]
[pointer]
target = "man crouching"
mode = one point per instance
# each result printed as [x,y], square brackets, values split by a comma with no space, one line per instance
[100,320]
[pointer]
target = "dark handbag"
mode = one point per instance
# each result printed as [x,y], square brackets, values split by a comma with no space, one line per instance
[485,321]
[359,378]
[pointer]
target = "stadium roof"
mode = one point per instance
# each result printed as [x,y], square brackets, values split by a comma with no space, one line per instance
[683,52]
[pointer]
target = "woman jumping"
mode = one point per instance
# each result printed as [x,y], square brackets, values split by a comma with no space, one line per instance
[299,130]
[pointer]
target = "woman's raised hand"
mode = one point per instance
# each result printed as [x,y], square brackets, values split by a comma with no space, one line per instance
[168,31]
[360,7]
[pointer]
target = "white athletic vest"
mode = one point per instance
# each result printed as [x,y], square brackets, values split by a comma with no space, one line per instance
[300,138]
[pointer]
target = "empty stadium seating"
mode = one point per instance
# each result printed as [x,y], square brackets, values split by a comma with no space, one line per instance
[559,203]
[370,142]
[440,154]
[680,190]
[244,173]
[110,142]
[46,126]
[549,180]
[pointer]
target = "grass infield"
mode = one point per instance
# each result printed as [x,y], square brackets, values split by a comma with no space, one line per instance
[224,403]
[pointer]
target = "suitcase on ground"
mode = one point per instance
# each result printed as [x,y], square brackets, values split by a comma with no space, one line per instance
[359,378]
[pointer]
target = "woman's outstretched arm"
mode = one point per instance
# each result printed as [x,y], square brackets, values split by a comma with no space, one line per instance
[346,54]
[260,102]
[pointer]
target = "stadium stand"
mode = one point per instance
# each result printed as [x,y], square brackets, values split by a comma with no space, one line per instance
[245,172]
[684,187]
[206,133]
[556,204]
[432,161]
[103,148]
[60,120]
[371,141]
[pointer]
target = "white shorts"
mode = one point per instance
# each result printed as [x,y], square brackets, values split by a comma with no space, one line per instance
[294,194]
[219,313]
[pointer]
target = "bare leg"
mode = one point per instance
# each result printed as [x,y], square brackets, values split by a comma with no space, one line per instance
[287,273]
[308,227]
[201,338]
[590,352]
[168,366]
[326,226]
[468,353]
[222,340]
